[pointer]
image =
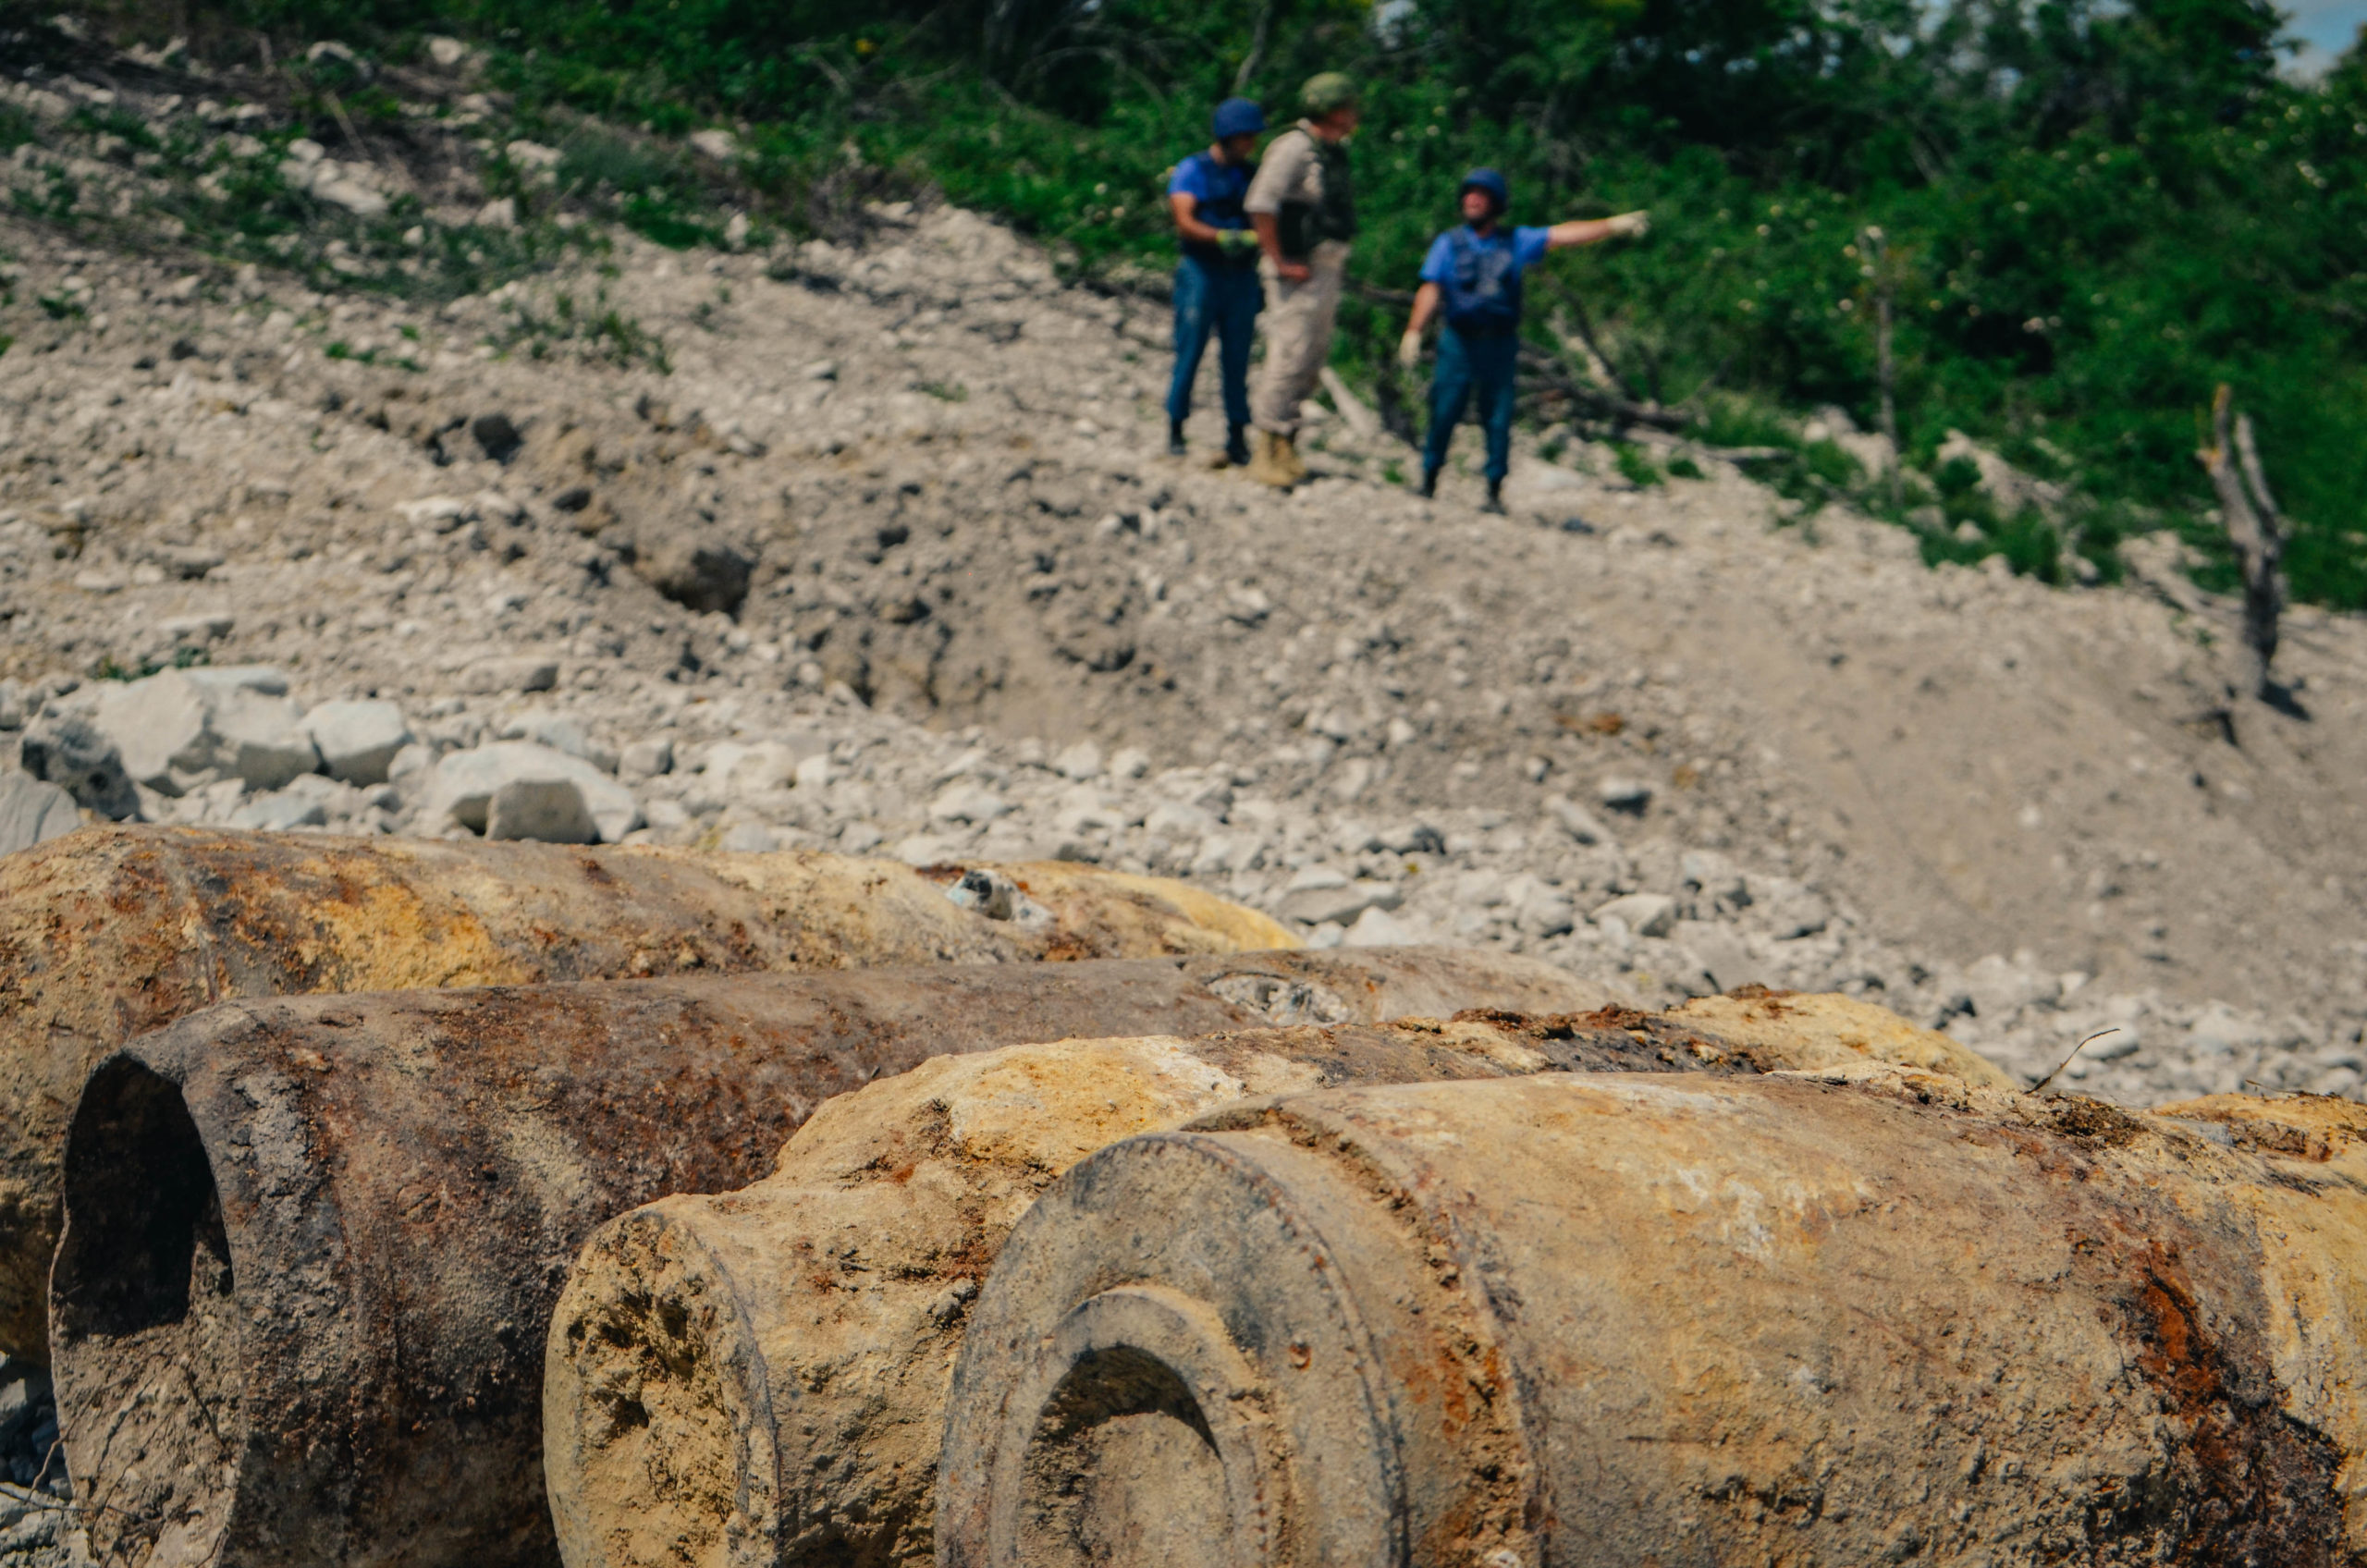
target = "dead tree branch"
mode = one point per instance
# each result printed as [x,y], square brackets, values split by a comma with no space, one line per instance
[1551,375]
[1257,55]
[1885,274]
[1596,359]
[2254,527]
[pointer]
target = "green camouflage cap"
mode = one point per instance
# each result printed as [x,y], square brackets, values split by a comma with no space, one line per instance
[1328,92]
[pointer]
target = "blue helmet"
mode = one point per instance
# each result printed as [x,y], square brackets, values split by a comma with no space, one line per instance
[1493,183]
[1239,117]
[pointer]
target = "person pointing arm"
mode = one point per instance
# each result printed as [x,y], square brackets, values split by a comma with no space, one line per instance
[1472,277]
[1577,231]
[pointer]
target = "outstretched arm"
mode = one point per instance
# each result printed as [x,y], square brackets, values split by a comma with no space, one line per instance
[1587,231]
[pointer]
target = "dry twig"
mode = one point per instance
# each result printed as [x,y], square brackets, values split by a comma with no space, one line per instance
[2066,1060]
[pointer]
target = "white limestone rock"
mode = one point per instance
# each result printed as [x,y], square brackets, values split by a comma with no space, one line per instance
[461,789]
[33,811]
[357,740]
[1647,915]
[180,728]
[549,811]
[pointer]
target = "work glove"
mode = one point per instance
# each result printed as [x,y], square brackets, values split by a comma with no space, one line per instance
[1632,225]
[1409,349]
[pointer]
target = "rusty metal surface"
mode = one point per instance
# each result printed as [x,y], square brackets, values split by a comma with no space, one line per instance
[1831,1030]
[313,1244]
[1859,1316]
[759,1378]
[113,931]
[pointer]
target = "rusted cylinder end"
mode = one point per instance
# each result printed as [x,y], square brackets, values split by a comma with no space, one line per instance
[1623,1320]
[1149,1445]
[1204,1386]
[757,1377]
[666,1436]
[148,1296]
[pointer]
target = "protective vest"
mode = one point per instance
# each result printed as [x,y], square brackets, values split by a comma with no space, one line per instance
[1482,288]
[1302,225]
[1221,211]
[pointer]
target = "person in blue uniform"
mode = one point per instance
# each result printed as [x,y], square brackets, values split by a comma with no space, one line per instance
[1216,292]
[1472,278]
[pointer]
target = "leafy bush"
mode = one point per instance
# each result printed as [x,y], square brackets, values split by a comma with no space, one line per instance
[1636,465]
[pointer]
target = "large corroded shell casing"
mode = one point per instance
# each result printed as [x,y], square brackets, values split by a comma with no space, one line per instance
[1863,1316]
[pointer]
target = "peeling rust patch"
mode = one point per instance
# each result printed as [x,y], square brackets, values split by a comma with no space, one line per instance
[1618,1039]
[2092,1124]
[2264,1489]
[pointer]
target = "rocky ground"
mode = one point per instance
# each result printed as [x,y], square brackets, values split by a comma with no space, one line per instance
[36,1521]
[875,546]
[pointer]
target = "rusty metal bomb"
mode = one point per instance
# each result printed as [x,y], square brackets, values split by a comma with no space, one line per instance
[1863,1316]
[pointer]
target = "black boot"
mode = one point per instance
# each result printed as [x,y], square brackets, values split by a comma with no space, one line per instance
[1236,445]
[1429,483]
[1495,502]
[1175,447]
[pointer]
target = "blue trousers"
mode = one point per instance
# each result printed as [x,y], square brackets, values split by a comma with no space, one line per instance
[1213,298]
[1469,365]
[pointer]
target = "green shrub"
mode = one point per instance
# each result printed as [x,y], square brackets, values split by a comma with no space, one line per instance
[1636,465]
